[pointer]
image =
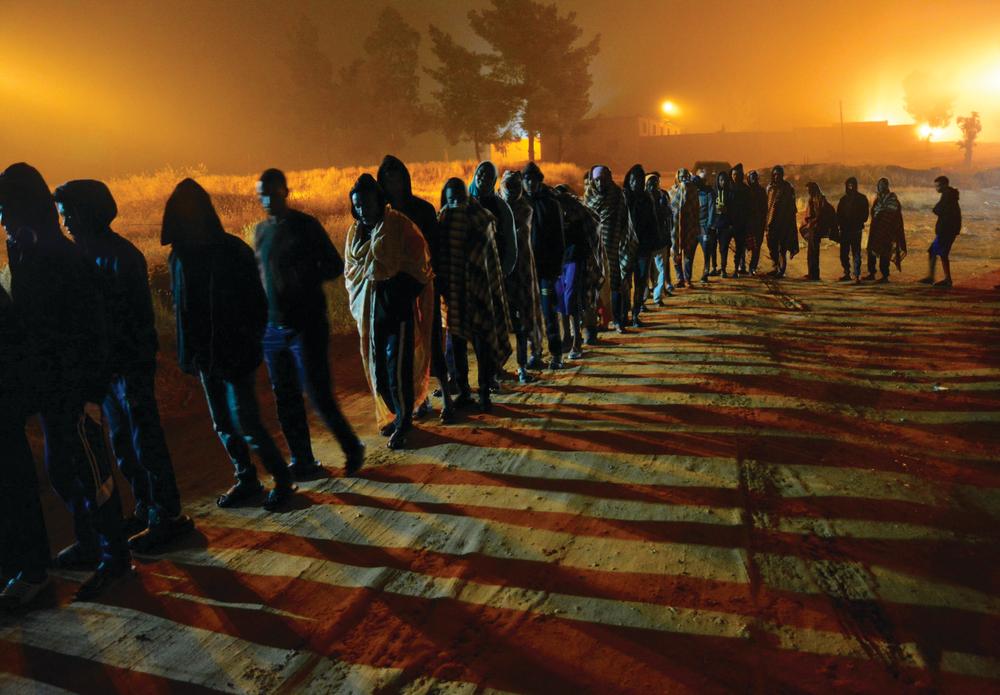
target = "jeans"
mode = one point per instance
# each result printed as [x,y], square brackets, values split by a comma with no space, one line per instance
[140,446]
[850,248]
[662,261]
[547,287]
[393,336]
[812,256]
[296,362]
[98,526]
[737,234]
[710,247]
[24,544]
[232,405]
[640,278]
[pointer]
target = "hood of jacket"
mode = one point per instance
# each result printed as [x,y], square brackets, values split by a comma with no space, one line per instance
[24,192]
[391,163]
[189,218]
[90,200]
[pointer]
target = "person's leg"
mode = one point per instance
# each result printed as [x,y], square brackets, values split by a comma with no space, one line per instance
[883,266]
[241,396]
[439,362]
[740,241]
[460,350]
[309,352]
[845,254]
[484,365]
[547,288]
[813,257]
[725,236]
[713,247]
[872,263]
[24,543]
[856,254]
[116,414]
[59,427]
[285,374]
[521,344]
[707,252]
[640,278]
[217,397]
[946,267]
[660,276]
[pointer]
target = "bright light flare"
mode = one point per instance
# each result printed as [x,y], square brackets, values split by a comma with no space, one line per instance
[929,133]
[669,108]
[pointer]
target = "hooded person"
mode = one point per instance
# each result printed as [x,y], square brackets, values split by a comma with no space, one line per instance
[472,282]
[886,235]
[686,237]
[756,219]
[548,242]
[738,213]
[723,219]
[820,221]
[130,408]
[946,230]
[661,254]
[782,233]
[706,222]
[642,216]
[852,213]
[221,314]
[57,295]
[296,258]
[582,274]
[390,287]
[395,180]
[607,200]
[523,301]
[24,543]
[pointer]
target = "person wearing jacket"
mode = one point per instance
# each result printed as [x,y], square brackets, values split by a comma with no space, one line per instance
[24,543]
[296,258]
[395,180]
[780,224]
[130,408]
[221,311]
[686,236]
[757,219]
[738,213]
[946,229]
[661,254]
[886,236]
[706,223]
[724,217]
[642,216]
[852,213]
[57,294]
[814,228]
[548,242]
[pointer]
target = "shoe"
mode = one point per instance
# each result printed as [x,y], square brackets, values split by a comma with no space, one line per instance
[397,441]
[278,496]
[725,274]
[660,303]
[447,416]
[680,284]
[463,399]
[857,280]
[523,377]
[556,363]
[354,459]
[160,534]
[637,323]
[77,557]
[591,339]
[535,362]
[240,492]
[104,576]
[19,591]
[423,410]
[387,430]
[494,385]
[943,283]
[485,404]
[670,290]
[575,355]
[620,330]
[135,524]
[869,277]
[715,272]
[704,279]
[846,277]
[305,471]
[882,280]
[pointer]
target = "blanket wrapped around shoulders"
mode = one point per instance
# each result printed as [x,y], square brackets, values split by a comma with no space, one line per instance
[618,239]
[395,246]
[886,236]
[523,298]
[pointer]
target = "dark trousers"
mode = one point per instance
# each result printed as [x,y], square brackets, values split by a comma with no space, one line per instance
[140,446]
[640,279]
[736,235]
[77,478]
[710,247]
[24,544]
[439,362]
[812,255]
[393,336]
[547,287]
[484,362]
[850,249]
[297,361]
[235,413]
[755,255]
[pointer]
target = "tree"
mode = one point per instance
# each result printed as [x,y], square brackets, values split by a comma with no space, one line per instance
[310,88]
[537,57]
[471,103]
[927,101]
[970,127]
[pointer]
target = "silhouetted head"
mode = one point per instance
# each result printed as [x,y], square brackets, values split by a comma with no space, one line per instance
[454,194]
[394,178]
[87,208]
[635,179]
[601,176]
[753,178]
[484,181]
[27,208]
[778,174]
[882,186]
[722,180]
[683,175]
[851,184]
[511,184]
[941,183]
[368,201]
[272,191]
[189,218]
[814,190]
[653,182]
[533,178]
[737,173]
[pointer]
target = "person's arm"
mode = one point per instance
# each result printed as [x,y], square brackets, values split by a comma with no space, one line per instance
[329,264]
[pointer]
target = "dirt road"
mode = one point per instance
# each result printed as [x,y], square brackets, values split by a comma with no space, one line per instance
[777,487]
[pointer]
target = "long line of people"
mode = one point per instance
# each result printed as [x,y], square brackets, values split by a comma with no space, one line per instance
[504,254]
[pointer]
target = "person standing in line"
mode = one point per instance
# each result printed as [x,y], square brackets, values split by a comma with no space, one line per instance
[642,217]
[819,222]
[137,438]
[886,236]
[686,207]
[706,222]
[661,254]
[548,242]
[221,311]
[946,230]
[782,234]
[757,214]
[739,221]
[607,201]
[852,213]
[295,258]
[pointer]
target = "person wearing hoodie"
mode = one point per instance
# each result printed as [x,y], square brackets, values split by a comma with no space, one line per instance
[819,220]
[686,237]
[661,254]
[548,242]
[295,258]
[780,224]
[221,313]
[24,543]
[523,300]
[390,287]
[706,222]
[581,275]
[607,201]
[738,211]
[130,408]
[642,216]
[57,295]
[886,236]
[395,180]
[852,213]
[724,215]
[946,229]
[757,219]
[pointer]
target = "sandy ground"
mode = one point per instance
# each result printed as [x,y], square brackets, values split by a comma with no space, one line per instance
[777,486]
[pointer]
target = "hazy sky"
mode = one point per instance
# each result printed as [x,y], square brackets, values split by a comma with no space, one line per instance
[94,88]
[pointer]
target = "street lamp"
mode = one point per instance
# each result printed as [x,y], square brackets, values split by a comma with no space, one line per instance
[669,108]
